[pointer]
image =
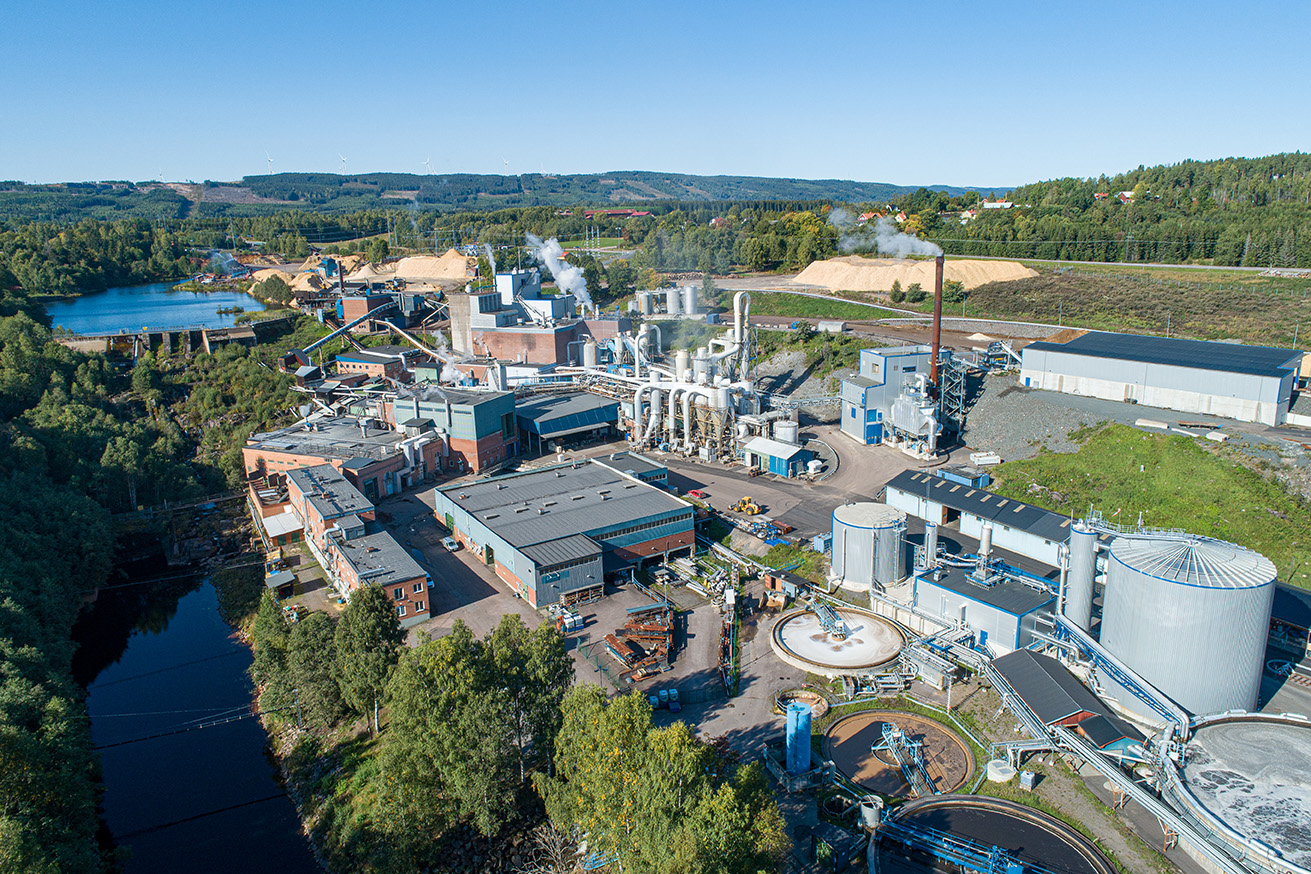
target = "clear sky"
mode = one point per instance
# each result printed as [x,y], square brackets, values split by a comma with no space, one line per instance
[962,93]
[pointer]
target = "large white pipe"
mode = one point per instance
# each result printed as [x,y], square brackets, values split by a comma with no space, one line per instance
[655,413]
[741,313]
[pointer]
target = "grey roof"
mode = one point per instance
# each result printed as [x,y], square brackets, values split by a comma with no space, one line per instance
[1195,561]
[630,463]
[773,448]
[1054,694]
[984,504]
[553,406]
[1199,354]
[280,579]
[379,354]
[328,491]
[560,551]
[379,560]
[862,381]
[431,394]
[1009,596]
[564,499]
[306,370]
[335,437]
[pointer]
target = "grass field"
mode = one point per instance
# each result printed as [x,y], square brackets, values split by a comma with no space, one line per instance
[781,303]
[598,242]
[1174,482]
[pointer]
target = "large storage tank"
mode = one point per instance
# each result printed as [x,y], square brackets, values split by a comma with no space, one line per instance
[673,302]
[869,545]
[589,354]
[1082,572]
[689,299]
[1191,617]
[682,363]
[646,303]
[787,431]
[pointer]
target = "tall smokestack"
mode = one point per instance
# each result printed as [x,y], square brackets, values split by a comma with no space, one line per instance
[937,317]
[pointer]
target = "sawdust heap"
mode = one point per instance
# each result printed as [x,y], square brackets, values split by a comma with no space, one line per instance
[1066,336]
[451,265]
[855,273]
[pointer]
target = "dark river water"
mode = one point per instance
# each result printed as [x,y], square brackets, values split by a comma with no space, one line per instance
[148,306]
[156,659]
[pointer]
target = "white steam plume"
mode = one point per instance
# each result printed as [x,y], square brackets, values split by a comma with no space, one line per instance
[884,237]
[491,259]
[567,276]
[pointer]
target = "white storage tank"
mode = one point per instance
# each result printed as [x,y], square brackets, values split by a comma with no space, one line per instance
[646,303]
[589,354]
[689,299]
[869,545]
[701,365]
[787,431]
[673,303]
[682,363]
[1079,579]
[1191,616]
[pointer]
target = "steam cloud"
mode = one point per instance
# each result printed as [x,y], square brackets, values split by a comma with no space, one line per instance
[884,237]
[491,259]
[567,276]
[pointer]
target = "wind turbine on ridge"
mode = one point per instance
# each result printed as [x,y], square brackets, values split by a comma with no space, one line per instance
[270,157]
[343,163]
[427,162]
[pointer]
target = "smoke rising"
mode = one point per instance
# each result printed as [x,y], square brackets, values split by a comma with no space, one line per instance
[883,237]
[491,259]
[567,277]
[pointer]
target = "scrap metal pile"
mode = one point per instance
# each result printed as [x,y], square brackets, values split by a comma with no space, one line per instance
[644,644]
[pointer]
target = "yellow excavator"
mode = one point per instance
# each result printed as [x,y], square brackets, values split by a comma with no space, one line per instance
[747,506]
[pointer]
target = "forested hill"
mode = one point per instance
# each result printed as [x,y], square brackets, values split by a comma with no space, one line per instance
[330,192]
[1253,212]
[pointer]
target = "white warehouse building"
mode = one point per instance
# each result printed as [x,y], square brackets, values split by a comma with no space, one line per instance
[1022,528]
[1247,383]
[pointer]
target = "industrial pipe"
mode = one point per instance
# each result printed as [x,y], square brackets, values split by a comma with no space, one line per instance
[937,317]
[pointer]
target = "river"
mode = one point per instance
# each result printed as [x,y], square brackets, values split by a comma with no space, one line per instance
[157,659]
[156,305]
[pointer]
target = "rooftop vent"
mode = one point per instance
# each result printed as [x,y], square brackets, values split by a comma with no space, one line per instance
[541,511]
[492,516]
[520,509]
[575,497]
[549,504]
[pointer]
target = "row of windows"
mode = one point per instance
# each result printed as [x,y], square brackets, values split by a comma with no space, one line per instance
[399,592]
[578,562]
[645,526]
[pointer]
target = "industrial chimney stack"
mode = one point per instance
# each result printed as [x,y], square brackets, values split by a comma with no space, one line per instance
[937,318]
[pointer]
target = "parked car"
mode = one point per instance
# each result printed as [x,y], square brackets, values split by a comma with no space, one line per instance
[450,543]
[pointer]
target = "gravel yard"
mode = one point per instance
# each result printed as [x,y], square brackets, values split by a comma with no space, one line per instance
[1015,422]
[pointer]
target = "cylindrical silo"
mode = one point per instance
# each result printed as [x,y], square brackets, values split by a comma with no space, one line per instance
[930,544]
[721,398]
[589,354]
[798,738]
[673,302]
[1079,580]
[1191,617]
[689,299]
[787,431]
[985,541]
[682,362]
[701,365]
[646,303]
[868,545]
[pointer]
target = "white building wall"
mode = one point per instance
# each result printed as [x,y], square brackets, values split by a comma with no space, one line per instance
[1016,540]
[1002,630]
[915,505]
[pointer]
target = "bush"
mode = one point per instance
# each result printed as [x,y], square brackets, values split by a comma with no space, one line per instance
[897,295]
[915,293]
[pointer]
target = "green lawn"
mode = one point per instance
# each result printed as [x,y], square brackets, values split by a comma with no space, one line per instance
[598,242]
[782,303]
[1174,482]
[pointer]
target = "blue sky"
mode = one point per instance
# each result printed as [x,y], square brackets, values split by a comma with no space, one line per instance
[967,93]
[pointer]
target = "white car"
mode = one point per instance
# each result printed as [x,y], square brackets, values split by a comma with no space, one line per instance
[450,543]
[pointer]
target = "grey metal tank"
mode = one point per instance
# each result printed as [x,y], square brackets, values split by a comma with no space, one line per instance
[1191,616]
[1079,580]
[869,545]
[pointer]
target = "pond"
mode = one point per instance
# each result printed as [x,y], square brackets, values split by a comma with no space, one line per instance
[154,306]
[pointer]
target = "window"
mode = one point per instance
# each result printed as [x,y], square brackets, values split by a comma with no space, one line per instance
[400,609]
[397,593]
[507,425]
[418,587]
[418,606]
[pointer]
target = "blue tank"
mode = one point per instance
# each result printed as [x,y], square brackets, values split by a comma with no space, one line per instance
[798,752]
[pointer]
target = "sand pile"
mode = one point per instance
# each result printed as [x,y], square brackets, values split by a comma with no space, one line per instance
[281,272]
[418,268]
[856,273]
[1065,336]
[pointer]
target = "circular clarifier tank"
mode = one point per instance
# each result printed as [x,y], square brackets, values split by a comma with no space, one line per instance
[1026,835]
[870,642]
[1248,778]
[848,744]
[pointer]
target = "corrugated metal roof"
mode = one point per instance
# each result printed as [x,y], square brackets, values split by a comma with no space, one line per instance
[561,500]
[772,448]
[984,504]
[379,560]
[1195,561]
[1199,354]
[1008,595]
[1054,694]
[560,551]
[549,415]
[329,492]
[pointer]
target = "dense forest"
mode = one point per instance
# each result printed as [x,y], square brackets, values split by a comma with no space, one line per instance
[1238,212]
[50,258]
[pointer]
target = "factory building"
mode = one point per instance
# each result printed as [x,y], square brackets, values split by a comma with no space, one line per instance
[575,417]
[552,533]
[478,426]
[1003,611]
[1248,383]
[869,396]
[377,461]
[776,456]
[379,362]
[1022,528]
[1058,698]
